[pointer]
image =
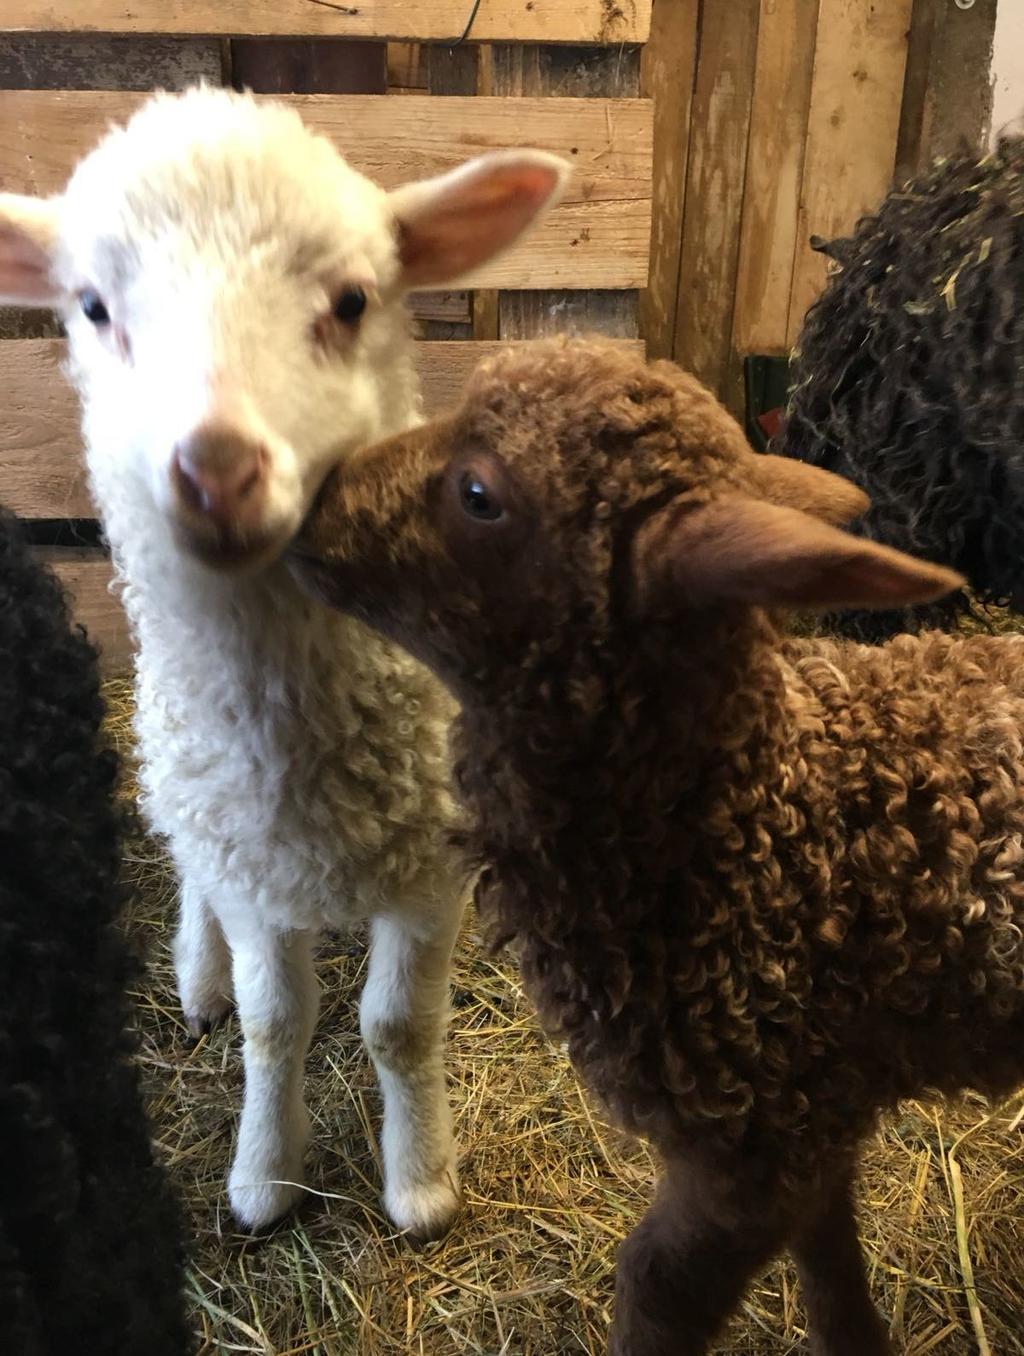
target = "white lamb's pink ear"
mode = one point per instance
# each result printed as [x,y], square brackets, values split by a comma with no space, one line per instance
[450,225]
[28,233]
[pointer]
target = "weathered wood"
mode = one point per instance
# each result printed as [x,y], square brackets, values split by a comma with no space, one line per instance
[714,193]
[406,68]
[775,158]
[599,236]
[41,470]
[301,66]
[450,70]
[856,92]
[666,76]
[591,76]
[947,91]
[579,21]
[87,576]
[55,61]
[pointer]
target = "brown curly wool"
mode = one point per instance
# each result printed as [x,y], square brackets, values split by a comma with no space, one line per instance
[763,887]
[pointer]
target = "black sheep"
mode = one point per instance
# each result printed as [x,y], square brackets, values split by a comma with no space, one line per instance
[909,378]
[91,1253]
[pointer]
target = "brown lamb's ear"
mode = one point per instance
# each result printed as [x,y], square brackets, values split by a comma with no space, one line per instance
[794,484]
[744,550]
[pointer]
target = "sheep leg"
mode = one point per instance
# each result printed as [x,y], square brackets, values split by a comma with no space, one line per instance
[403,1015]
[277,1004]
[202,964]
[841,1317]
[683,1269]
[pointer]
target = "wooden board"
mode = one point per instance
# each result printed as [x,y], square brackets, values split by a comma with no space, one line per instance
[584,21]
[775,158]
[667,70]
[87,575]
[714,192]
[56,61]
[599,236]
[41,469]
[597,78]
[947,92]
[856,92]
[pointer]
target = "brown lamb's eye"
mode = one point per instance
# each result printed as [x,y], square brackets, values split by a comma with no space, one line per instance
[350,305]
[477,500]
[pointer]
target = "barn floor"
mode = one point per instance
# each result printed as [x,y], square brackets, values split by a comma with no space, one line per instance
[550,1190]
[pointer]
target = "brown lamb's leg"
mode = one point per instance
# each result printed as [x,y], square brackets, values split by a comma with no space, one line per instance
[841,1317]
[684,1268]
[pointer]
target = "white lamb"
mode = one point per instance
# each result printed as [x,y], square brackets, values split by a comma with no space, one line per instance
[232,291]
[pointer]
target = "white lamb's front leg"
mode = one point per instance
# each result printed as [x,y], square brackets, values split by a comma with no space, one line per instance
[202,964]
[276,992]
[403,1015]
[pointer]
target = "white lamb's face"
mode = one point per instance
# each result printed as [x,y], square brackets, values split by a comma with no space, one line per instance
[232,295]
[229,341]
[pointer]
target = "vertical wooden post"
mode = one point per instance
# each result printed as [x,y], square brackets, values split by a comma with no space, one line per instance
[947,92]
[667,67]
[714,193]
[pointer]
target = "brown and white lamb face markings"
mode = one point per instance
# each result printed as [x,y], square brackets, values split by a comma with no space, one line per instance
[764,888]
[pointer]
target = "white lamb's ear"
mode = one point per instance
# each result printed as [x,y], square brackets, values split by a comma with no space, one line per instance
[28,234]
[450,225]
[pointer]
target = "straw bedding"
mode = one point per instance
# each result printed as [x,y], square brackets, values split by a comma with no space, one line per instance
[550,1190]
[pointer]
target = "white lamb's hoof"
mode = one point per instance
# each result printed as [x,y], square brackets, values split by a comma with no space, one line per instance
[425,1211]
[206,1018]
[258,1206]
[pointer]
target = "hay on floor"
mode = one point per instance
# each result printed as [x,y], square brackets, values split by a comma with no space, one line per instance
[550,1189]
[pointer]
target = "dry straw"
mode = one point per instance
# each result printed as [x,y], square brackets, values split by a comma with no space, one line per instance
[550,1190]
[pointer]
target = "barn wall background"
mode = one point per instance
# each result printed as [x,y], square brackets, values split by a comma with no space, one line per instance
[773,121]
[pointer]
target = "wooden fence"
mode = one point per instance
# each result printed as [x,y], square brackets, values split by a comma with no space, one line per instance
[563,76]
[712,139]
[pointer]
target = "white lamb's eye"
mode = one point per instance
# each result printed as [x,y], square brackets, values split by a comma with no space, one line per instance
[94,308]
[350,305]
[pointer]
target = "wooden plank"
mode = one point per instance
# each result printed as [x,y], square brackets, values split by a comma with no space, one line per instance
[87,576]
[301,66]
[714,193]
[450,71]
[592,76]
[856,92]
[599,236]
[775,159]
[406,67]
[54,61]
[41,470]
[947,92]
[667,68]
[578,21]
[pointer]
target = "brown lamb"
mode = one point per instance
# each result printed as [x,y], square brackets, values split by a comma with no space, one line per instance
[764,887]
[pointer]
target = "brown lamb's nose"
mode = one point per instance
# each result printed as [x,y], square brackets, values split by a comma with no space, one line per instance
[219,473]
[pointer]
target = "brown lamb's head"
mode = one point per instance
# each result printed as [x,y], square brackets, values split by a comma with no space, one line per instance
[576,495]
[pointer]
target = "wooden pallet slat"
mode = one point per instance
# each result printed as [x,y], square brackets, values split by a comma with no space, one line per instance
[856,93]
[714,194]
[599,236]
[579,21]
[41,469]
[87,575]
[775,158]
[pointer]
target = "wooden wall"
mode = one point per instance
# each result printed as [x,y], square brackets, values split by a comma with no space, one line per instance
[404,98]
[777,121]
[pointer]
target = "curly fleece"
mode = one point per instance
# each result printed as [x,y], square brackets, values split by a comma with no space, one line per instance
[763,887]
[91,1253]
[909,377]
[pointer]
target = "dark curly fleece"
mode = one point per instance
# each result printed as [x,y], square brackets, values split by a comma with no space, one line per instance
[91,1253]
[910,378]
[764,888]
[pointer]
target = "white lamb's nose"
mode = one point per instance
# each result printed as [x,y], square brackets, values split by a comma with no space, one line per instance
[220,473]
